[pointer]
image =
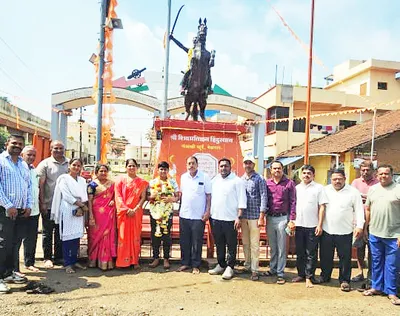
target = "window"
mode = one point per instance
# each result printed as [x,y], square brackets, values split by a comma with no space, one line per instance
[277,112]
[363,89]
[299,126]
[343,124]
[144,155]
[382,85]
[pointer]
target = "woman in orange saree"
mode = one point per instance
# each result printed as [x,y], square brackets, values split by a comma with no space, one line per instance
[130,194]
[102,220]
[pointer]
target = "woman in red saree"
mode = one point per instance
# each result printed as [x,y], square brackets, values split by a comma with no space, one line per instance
[130,194]
[102,220]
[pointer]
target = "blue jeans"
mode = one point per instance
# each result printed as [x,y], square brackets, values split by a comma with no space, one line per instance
[70,251]
[277,242]
[385,257]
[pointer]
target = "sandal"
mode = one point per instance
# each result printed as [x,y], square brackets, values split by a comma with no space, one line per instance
[80,266]
[182,268]
[254,276]
[155,263]
[48,264]
[166,264]
[394,299]
[345,287]
[32,268]
[41,289]
[372,292]
[358,278]
[280,281]
[29,286]
[196,271]
[269,273]
[298,279]
[69,270]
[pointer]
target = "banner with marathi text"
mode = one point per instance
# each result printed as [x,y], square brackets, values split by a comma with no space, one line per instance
[208,142]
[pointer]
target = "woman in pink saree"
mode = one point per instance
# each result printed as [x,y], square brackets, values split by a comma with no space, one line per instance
[102,248]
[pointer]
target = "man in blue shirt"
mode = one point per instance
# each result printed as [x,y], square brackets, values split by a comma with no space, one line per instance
[15,200]
[253,217]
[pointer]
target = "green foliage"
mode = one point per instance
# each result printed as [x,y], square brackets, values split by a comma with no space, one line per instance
[3,138]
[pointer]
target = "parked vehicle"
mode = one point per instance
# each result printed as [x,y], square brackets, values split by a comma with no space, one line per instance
[87,172]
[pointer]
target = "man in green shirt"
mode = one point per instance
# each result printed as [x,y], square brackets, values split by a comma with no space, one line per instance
[383,217]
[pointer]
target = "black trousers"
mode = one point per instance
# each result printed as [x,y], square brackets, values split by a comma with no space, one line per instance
[225,236]
[7,227]
[49,227]
[165,238]
[343,245]
[191,232]
[26,232]
[306,251]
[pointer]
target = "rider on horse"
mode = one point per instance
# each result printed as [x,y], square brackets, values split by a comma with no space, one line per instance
[189,51]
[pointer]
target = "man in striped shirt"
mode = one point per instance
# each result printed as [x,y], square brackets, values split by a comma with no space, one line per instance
[253,217]
[15,200]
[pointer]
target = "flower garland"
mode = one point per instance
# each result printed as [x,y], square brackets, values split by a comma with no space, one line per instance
[159,209]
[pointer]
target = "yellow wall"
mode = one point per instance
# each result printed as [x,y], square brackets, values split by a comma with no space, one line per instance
[322,164]
[270,98]
[393,86]
[348,167]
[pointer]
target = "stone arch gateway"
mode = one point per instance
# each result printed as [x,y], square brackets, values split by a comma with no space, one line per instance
[62,102]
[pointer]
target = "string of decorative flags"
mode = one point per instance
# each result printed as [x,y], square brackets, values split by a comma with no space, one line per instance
[344,112]
[305,46]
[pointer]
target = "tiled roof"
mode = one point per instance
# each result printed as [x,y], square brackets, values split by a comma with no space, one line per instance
[351,137]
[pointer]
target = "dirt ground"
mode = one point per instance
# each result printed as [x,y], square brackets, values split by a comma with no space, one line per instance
[159,292]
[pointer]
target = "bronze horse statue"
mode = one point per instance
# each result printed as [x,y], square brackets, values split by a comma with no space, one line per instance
[197,82]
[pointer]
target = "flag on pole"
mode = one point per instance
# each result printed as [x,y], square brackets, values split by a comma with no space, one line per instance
[165,40]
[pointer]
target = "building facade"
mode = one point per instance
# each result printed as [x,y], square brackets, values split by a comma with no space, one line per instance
[353,85]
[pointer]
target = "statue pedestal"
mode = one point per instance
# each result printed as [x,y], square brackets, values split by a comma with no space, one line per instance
[207,141]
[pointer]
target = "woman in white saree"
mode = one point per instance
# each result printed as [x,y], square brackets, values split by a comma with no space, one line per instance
[67,210]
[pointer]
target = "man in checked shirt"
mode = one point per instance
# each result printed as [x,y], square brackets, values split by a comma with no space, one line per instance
[253,217]
[15,201]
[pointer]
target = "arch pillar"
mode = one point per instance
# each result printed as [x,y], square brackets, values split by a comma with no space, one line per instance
[63,128]
[55,123]
[258,144]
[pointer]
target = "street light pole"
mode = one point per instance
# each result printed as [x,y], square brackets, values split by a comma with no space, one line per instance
[308,106]
[81,121]
[166,66]
[373,136]
[103,15]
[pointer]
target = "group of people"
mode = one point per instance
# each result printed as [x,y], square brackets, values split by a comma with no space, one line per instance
[335,217]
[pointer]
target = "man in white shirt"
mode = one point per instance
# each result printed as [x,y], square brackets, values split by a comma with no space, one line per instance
[27,226]
[194,213]
[344,202]
[227,204]
[310,210]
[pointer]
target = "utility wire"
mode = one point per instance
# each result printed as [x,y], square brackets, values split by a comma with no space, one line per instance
[11,78]
[17,56]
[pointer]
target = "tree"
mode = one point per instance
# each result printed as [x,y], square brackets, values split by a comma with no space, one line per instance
[3,138]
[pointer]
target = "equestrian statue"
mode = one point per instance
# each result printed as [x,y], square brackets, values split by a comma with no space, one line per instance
[196,83]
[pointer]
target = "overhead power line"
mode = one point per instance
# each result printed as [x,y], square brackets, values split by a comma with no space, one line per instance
[17,56]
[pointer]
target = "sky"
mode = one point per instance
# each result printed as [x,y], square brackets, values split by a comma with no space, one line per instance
[45,45]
